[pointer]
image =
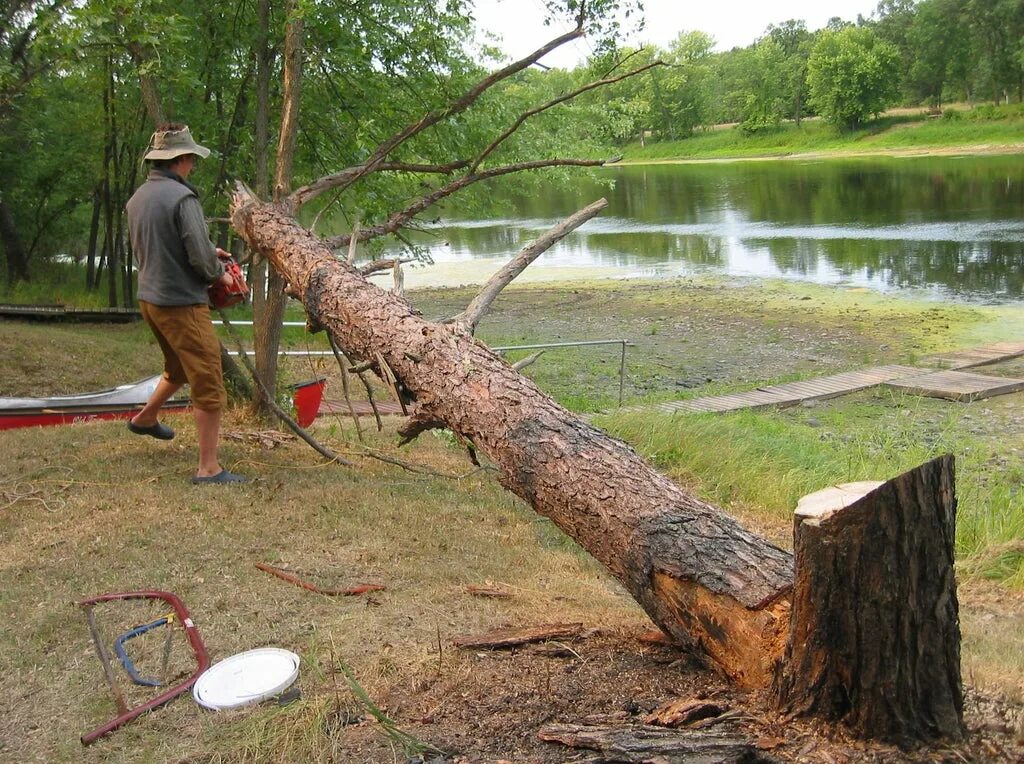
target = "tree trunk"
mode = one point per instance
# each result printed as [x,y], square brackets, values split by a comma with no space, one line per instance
[14,252]
[701,577]
[109,241]
[94,231]
[267,327]
[147,85]
[874,636]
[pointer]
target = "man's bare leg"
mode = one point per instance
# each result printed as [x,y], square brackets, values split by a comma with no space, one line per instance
[148,416]
[208,428]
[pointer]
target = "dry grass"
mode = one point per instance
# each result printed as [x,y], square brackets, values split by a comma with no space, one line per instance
[116,512]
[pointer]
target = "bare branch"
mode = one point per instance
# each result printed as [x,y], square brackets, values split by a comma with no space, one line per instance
[386,264]
[467,320]
[343,178]
[399,219]
[522,363]
[352,243]
[468,99]
[554,102]
[345,386]
[269,400]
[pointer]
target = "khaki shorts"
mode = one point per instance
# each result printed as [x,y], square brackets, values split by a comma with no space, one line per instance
[191,351]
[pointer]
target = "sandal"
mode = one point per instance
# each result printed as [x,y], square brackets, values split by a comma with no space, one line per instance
[221,477]
[158,430]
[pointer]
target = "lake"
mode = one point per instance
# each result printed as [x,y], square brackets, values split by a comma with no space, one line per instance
[949,227]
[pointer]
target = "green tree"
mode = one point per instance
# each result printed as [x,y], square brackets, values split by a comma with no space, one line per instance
[940,39]
[679,95]
[796,43]
[998,29]
[852,75]
[768,85]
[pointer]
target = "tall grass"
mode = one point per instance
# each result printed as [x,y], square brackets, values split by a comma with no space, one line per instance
[55,283]
[761,463]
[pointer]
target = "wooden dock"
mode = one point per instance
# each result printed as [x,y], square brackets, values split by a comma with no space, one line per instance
[951,383]
[956,385]
[966,359]
[64,313]
[791,393]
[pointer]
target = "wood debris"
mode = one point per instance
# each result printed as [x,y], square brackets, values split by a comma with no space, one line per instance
[292,579]
[264,438]
[512,637]
[684,712]
[654,744]
[488,591]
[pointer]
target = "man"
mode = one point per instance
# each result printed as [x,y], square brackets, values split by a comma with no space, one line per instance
[177,263]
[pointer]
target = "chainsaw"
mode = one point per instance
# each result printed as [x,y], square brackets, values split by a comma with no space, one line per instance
[222,296]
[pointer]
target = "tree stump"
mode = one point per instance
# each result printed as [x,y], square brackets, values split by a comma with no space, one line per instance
[874,638]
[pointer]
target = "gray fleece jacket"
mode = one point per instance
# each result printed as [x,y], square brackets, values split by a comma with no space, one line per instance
[171,243]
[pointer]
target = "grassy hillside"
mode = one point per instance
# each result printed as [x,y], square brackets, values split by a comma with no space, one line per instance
[977,130]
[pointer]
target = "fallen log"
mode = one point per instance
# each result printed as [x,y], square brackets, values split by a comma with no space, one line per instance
[702,578]
[709,584]
[655,744]
[500,638]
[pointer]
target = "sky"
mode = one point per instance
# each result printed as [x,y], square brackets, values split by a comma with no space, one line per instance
[730,22]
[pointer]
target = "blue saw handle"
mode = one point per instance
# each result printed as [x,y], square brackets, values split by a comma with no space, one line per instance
[122,654]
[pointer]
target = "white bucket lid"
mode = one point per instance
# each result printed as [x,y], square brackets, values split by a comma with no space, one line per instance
[249,677]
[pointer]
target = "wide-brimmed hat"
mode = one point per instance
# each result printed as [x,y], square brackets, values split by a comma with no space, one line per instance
[168,144]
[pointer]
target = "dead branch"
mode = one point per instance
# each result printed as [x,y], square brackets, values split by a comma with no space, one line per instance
[347,592]
[498,638]
[269,399]
[353,241]
[555,102]
[418,424]
[345,387]
[522,363]
[305,194]
[468,319]
[491,592]
[385,264]
[343,178]
[647,744]
[399,219]
[389,376]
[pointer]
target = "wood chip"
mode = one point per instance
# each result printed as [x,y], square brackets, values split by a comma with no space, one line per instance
[683,712]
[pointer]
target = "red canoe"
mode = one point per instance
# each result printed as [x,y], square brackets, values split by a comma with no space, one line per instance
[123,402]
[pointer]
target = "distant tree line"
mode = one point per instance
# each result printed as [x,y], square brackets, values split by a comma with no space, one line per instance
[909,52]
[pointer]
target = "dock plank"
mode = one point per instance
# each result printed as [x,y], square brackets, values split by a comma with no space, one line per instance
[957,385]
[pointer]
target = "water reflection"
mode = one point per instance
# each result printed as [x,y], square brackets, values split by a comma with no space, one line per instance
[951,226]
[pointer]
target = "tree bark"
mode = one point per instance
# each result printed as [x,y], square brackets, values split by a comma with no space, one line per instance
[874,636]
[14,252]
[94,230]
[655,744]
[268,321]
[701,577]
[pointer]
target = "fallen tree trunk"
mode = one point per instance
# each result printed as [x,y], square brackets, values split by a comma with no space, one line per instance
[702,578]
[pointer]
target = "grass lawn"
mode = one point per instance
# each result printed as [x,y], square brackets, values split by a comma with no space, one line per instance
[1001,129]
[87,509]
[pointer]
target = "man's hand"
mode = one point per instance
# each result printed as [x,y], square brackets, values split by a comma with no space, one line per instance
[223,254]
[226,279]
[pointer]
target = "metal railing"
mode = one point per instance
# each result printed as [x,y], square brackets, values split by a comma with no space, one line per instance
[496,348]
